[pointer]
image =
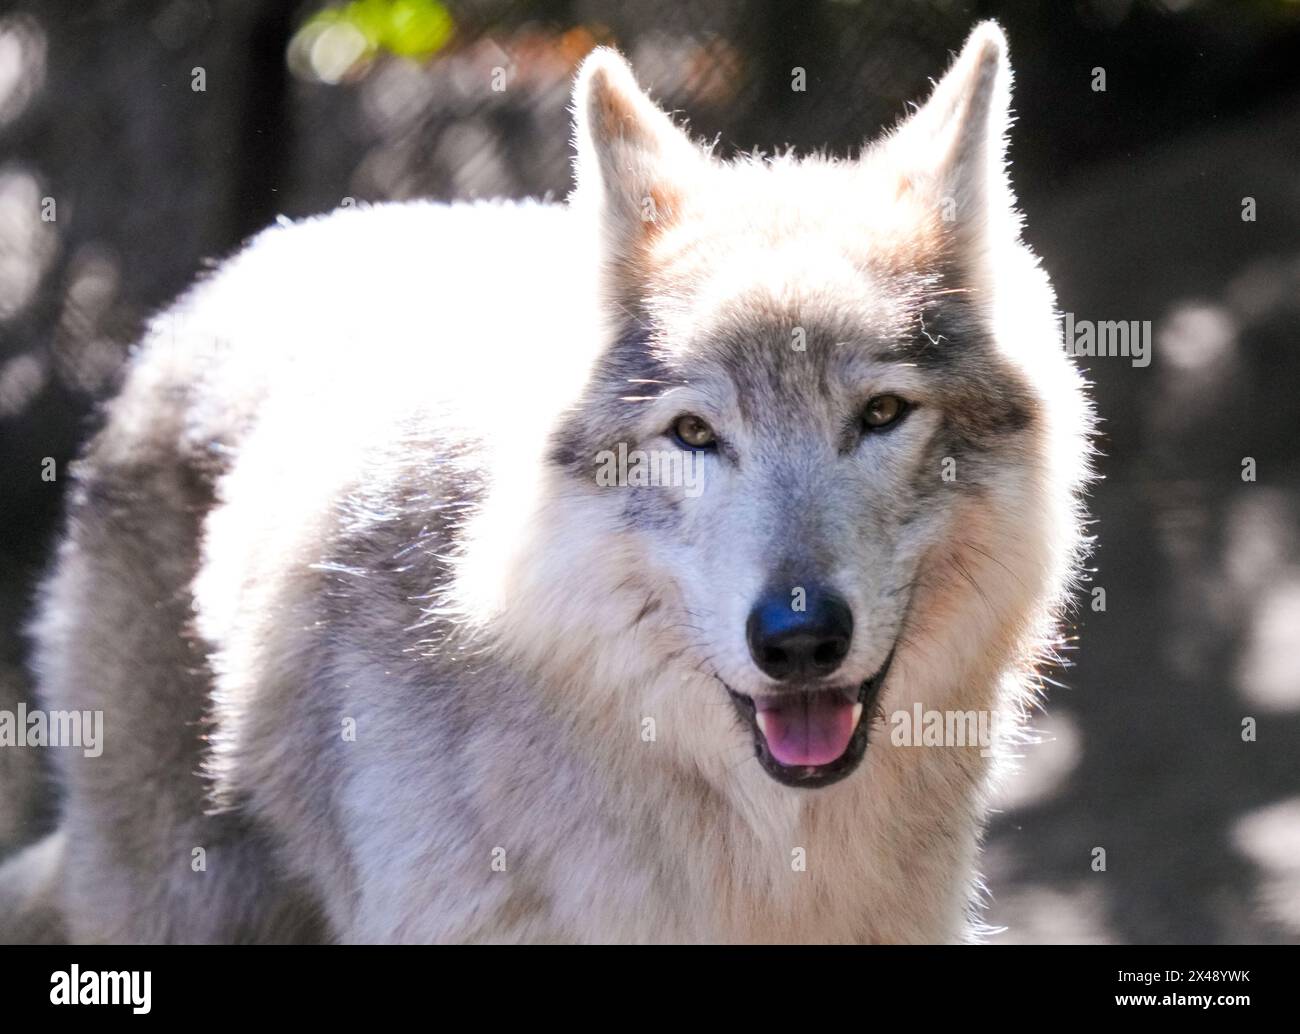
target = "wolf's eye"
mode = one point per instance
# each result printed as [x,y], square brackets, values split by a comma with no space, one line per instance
[882,411]
[693,433]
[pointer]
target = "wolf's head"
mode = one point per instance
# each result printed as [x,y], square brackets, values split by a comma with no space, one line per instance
[833,447]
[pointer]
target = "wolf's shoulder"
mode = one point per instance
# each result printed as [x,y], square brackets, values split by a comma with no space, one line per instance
[395,280]
[400,242]
[298,367]
[408,301]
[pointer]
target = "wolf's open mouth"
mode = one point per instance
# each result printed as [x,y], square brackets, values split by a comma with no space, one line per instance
[812,738]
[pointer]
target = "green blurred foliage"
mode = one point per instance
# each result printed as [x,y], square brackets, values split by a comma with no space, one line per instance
[408,28]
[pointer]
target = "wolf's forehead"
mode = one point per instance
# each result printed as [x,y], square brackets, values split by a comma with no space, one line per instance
[810,323]
[803,343]
[803,217]
[779,364]
[811,315]
[788,284]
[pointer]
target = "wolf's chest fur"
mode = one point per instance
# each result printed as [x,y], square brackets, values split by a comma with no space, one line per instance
[382,657]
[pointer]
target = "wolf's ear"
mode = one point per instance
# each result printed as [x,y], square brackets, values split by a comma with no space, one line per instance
[953,149]
[632,163]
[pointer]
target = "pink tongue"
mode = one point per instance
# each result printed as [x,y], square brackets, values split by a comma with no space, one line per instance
[807,728]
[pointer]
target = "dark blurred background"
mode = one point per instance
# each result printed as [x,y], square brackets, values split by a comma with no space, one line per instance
[1134,198]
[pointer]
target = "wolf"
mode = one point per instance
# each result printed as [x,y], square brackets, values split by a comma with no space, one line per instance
[382,659]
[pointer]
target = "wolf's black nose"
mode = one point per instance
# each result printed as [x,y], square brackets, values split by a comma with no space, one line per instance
[800,633]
